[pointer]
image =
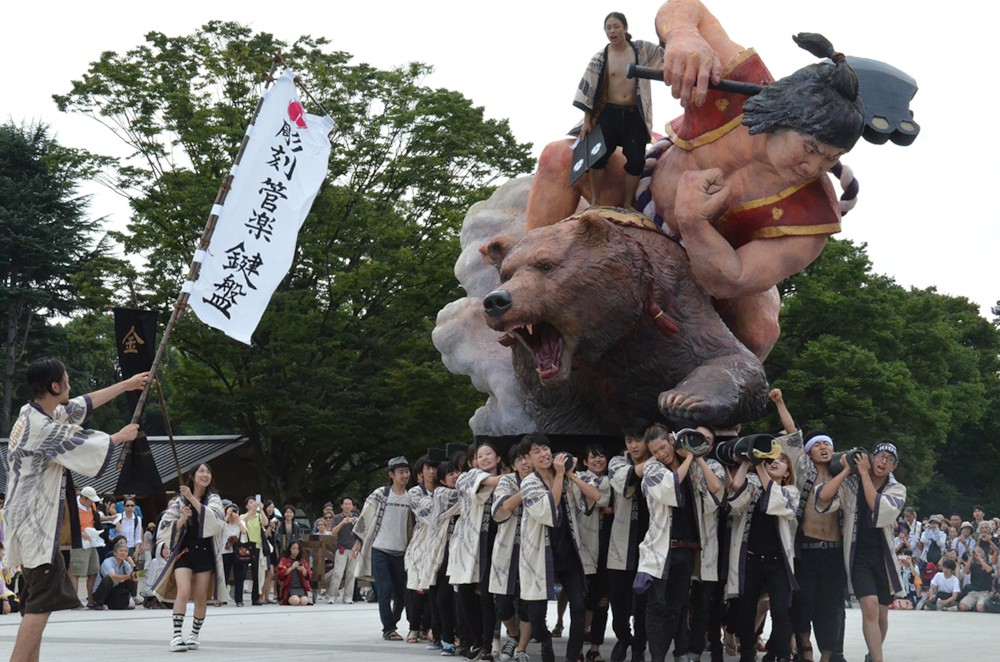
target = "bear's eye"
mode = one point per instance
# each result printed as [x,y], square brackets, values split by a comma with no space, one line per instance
[545,266]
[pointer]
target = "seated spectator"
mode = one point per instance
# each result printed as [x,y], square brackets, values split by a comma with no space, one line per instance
[904,538]
[933,540]
[912,584]
[945,588]
[293,577]
[8,588]
[118,580]
[153,570]
[984,539]
[964,542]
[980,575]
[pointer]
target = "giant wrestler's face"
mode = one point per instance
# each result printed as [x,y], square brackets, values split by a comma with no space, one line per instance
[798,157]
[614,30]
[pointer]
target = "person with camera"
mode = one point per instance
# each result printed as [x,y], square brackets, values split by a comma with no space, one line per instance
[118,582]
[819,568]
[294,575]
[980,574]
[933,541]
[667,552]
[345,564]
[551,501]
[871,500]
[761,557]
[945,588]
[984,539]
[628,526]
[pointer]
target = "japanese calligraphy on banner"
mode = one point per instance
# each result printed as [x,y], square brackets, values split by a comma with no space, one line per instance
[273,187]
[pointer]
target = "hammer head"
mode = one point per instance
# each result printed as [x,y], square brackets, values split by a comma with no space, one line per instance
[886,92]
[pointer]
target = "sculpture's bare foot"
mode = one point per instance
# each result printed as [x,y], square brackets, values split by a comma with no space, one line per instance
[681,406]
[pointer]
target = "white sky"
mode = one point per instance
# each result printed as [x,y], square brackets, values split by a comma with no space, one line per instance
[923,209]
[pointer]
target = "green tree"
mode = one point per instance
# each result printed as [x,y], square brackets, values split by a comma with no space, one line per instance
[53,261]
[868,359]
[342,373]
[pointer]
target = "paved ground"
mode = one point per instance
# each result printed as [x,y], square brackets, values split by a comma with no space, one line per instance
[351,632]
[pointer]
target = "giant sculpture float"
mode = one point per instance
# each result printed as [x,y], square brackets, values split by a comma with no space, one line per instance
[589,325]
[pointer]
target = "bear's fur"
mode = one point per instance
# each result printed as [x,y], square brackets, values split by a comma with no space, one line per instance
[609,330]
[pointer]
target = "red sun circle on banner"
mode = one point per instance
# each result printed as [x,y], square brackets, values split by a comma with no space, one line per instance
[297,114]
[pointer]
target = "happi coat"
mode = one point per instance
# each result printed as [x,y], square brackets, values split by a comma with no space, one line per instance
[367,526]
[41,449]
[444,516]
[536,567]
[422,507]
[467,553]
[623,547]
[706,511]
[507,545]
[888,508]
[777,500]
[211,524]
[590,520]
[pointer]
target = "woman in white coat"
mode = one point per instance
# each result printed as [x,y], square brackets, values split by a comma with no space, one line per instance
[761,555]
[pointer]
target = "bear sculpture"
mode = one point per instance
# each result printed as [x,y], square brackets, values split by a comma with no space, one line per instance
[607,327]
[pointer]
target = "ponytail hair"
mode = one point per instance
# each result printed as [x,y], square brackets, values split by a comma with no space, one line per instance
[820,100]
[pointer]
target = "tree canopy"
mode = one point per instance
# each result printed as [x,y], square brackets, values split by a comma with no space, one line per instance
[342,370]
[867,359]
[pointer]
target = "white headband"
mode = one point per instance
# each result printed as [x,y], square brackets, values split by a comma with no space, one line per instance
[815,440]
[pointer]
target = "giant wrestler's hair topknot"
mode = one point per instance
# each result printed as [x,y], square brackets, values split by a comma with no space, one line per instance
[819,100]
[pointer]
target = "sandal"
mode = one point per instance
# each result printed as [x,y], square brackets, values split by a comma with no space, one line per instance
[413,637]
[392,636]
[594,656]
[804,651]
[732,649]
[557,630]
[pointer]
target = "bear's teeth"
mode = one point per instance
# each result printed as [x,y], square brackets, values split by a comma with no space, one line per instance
[530,327]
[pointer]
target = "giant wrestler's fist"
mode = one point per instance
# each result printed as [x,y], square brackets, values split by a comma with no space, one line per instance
[689,64]
[701,196]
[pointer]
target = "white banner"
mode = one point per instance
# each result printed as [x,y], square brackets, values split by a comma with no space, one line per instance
[273,187]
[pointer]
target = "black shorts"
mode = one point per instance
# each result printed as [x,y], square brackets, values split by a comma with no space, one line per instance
[868,577]
[199,557]
[47,588]
[623,127]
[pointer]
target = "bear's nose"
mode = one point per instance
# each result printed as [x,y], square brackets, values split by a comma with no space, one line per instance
[497,303]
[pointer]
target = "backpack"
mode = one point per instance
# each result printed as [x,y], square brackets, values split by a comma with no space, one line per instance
[933,552]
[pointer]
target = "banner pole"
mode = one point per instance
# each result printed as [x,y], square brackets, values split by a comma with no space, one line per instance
[195,268]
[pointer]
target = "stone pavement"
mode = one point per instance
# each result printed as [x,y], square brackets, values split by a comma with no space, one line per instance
[351,632]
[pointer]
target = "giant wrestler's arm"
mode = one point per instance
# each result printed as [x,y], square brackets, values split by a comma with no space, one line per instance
[696,49]
[724,272]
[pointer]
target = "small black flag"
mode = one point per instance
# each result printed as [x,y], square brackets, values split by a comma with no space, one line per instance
[135,336]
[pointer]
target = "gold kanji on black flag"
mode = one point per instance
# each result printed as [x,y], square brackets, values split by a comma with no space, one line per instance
[135,336]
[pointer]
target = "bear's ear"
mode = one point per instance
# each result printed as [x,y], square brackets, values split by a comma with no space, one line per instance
[591,226]
[496,250]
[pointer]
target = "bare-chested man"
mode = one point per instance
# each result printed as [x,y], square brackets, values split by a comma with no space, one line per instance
[621,106]
[819,566]
[741,182]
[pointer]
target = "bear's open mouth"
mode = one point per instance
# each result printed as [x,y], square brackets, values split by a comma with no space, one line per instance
[544,341]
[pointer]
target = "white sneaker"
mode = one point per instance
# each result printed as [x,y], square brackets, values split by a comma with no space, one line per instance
[177,645]
[522,656]
[192,642]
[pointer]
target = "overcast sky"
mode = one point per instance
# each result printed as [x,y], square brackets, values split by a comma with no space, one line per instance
[924,210]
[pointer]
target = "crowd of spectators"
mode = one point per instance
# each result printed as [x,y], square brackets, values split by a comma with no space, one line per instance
[108,547]
[949,564]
